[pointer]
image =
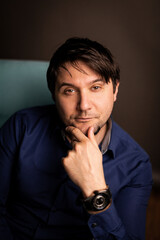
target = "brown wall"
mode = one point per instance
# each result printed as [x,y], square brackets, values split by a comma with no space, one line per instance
[33,29]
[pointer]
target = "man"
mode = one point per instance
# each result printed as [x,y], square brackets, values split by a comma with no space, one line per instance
[68,171]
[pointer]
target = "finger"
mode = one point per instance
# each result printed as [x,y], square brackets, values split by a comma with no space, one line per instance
[91,136]
[75,134]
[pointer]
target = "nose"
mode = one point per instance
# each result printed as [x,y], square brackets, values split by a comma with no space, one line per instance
[84,102]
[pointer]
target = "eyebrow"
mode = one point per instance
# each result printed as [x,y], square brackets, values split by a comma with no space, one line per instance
[72,85]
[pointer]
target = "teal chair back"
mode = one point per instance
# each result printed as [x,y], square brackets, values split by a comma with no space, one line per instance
[22,84]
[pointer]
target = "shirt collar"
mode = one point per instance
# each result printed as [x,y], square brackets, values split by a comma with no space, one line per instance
[105,144]
[106,140]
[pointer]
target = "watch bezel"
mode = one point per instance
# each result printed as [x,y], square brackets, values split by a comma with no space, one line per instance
[90,203]
[100,197]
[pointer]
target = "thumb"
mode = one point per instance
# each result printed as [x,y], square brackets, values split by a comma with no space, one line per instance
[91,136]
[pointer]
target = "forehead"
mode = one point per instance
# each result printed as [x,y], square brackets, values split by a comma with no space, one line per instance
[78,70]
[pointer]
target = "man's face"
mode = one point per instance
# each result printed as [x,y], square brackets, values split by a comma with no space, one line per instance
[83,98]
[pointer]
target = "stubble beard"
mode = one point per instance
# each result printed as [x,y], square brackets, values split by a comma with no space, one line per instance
[97,129]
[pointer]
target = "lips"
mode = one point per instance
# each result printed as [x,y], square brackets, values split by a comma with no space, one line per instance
[83,119]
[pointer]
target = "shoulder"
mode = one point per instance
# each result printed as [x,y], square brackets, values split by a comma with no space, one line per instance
[31,117]
[37,111]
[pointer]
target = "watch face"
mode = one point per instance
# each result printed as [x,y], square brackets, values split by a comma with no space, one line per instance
[100,201]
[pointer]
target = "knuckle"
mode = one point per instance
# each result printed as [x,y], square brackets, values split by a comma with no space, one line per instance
[69,154]
[64,159]
[77,147]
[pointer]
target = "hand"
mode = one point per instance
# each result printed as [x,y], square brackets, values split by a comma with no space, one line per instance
[84,162]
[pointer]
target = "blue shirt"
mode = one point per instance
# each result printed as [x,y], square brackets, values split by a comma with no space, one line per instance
[39,201]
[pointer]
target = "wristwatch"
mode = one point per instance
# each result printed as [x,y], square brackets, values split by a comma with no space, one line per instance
[99,201]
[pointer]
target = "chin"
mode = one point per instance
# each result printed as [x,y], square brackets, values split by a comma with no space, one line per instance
[84,130]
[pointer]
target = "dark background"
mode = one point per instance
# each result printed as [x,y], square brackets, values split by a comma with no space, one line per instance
[33,29]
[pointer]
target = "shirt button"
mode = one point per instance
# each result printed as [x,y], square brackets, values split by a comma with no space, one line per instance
[94,225]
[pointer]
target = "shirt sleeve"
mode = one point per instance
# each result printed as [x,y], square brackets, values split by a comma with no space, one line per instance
[8,146]
[126,217]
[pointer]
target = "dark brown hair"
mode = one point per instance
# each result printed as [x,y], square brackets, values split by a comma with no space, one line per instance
[92,53]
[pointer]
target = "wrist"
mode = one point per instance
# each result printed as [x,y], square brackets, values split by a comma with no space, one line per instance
[89,189]
[98,201]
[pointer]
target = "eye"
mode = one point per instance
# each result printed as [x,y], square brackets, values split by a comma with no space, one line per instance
[69,91]
[96,88]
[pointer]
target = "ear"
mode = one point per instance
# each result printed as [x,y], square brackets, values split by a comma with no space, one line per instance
[116,91]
